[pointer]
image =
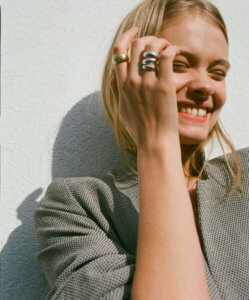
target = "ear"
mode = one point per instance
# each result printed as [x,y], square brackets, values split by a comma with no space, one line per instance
[114,87]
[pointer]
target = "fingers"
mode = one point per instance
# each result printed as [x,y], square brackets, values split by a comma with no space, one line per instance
[165,72]
[132,71]
[137,49]
[158,46]
[122,47]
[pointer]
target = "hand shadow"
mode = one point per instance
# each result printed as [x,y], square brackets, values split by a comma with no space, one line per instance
[85,146]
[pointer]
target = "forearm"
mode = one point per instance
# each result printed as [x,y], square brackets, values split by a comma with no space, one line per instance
[169,263]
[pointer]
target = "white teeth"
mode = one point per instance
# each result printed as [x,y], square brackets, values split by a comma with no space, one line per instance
[188,110]
[200,112]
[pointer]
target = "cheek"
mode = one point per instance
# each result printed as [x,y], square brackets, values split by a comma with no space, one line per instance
[180,80]
[220,97]
[219,101]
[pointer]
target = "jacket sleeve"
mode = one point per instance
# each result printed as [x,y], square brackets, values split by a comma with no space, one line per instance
[80,255]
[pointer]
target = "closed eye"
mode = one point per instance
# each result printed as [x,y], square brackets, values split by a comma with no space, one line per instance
[219,74]
[179,65]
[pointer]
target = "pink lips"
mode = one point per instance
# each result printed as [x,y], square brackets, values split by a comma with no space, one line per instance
[193,118]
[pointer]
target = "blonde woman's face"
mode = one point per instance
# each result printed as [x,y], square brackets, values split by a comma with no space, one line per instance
[199,74]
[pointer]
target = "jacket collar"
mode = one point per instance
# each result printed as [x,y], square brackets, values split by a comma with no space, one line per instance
[216,186]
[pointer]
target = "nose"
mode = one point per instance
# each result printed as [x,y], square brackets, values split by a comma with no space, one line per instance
[200,87]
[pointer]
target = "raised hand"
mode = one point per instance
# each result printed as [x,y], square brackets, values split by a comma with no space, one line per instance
[146,100]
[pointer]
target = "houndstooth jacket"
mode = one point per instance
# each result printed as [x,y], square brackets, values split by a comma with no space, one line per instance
[86,233]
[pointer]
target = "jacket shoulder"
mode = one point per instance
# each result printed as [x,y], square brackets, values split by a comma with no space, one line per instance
[218,168]
[242,153]
[78,241]
[85,195]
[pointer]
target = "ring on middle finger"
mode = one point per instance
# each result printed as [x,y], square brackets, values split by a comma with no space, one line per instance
[150,60]
[150,54]
[149,68]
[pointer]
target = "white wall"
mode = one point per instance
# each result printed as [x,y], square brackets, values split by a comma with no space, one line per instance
[51,125]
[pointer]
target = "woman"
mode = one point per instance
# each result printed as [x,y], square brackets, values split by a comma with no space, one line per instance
[163,95]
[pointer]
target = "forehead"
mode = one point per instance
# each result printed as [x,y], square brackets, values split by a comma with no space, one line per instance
[197,35]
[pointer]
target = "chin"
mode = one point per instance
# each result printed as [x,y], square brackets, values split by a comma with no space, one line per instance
[192,139]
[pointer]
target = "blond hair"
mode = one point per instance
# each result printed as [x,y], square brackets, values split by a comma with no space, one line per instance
[150,16]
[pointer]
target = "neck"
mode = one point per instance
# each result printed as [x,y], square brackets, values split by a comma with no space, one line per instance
[186,152]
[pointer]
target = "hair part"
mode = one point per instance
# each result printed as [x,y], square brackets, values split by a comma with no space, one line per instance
[150,16]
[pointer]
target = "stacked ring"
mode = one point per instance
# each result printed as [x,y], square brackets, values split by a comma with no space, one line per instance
[150,54]
[150,61]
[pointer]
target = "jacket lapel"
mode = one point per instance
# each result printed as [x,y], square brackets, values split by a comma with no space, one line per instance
[224,226]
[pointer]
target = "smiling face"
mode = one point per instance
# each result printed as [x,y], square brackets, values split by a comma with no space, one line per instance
[199,74]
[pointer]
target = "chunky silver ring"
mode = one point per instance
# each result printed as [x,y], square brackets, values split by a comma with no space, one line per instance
[149,68]
[149,61]
[150,54]
[120,58]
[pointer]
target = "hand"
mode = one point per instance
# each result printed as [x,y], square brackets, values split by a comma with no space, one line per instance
[146,100]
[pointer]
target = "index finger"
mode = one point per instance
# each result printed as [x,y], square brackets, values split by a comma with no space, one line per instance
[166,63]
[122,47]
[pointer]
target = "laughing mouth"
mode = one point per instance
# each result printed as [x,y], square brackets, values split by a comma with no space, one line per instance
[198,112]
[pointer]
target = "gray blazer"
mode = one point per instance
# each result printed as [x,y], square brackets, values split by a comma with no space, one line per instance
[86,233]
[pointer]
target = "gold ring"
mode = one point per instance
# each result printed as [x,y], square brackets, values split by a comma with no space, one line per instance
[120,58]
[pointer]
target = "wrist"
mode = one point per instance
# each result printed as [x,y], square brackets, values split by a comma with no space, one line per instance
[160,158]
[158,148]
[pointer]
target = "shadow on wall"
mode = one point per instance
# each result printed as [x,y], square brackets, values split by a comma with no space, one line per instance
[85,146]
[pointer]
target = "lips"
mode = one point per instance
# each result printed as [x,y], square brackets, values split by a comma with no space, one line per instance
[194,118]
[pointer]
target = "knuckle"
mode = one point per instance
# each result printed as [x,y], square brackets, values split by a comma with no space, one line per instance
[149,38]
[173,50]
[164,42]
[162,88]
[117,49]
[136,43]
[165,55]
[169,52]
[176,50]
[148,85]
[133,81]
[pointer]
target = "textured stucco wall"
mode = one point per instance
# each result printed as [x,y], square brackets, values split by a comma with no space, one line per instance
[51,124]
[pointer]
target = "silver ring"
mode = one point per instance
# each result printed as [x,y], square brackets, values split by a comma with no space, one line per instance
[150,54]
[149,60]
[149,68]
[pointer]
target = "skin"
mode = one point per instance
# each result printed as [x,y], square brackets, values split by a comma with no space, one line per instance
[199,78]
[196,78]
[147,101]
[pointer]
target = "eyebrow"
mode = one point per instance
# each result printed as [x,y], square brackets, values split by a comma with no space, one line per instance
[216,62]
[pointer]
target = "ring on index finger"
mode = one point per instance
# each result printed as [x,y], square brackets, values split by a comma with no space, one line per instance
[120,58]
